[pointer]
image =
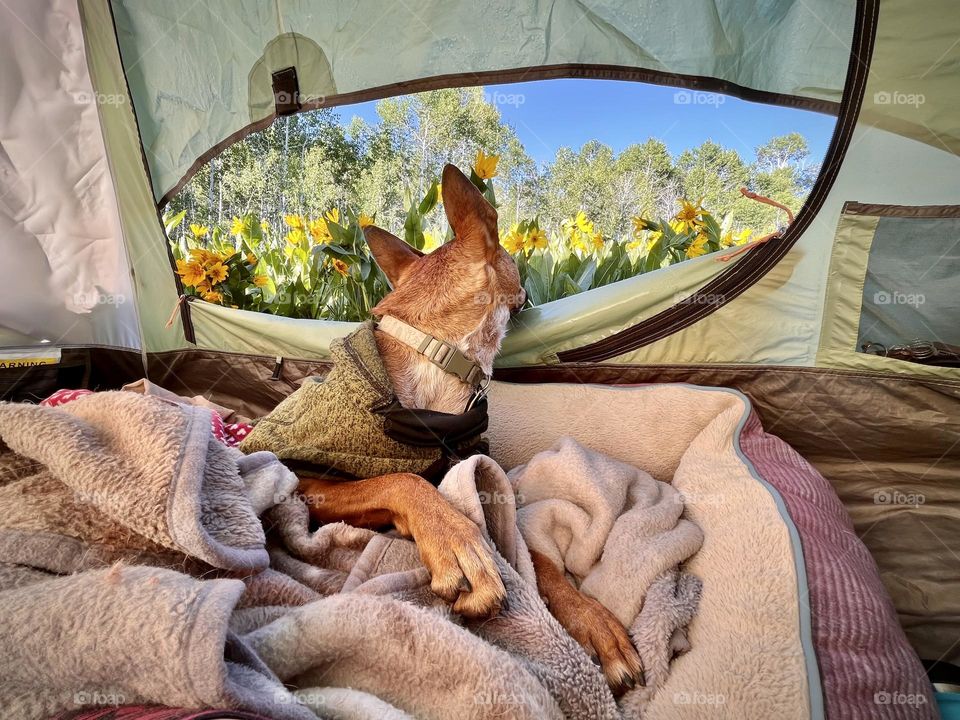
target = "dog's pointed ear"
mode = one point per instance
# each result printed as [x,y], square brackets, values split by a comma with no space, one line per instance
[473,219]
[392,254]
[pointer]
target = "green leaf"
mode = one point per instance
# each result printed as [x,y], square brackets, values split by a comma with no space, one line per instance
[429,201]
[171,221]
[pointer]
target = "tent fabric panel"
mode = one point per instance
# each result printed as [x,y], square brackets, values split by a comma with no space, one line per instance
[850,308]
[191,100]
[913,76]
[845,280]
[244,331]
[911,295]
[66,278]
[148,255]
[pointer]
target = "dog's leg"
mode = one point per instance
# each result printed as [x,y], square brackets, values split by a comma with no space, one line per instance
[451,546]
[590,624]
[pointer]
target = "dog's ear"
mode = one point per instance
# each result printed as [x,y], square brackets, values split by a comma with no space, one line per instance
[392,254]
[473,219]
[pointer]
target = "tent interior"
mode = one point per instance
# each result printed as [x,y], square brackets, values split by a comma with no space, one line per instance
[110,106]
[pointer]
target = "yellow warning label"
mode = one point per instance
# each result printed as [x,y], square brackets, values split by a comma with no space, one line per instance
[28,359]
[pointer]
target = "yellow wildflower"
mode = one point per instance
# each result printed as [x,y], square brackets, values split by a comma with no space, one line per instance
[689,216]
[265,226]
[237,226]
[583,224]
[294,222]
[577,243]
[192,272]
[512,242]
[297,237]
[319,230]
[536,239]
[439,192]
[341,267]
[364,220]
[203,256]
[217,273]
[640,224]
[597,241]
[333,215]
[204,287]
[743,236]
[260,280]
[213,296]
[199,231]
[698,247]
[251,259]
[634,244]
[485,166]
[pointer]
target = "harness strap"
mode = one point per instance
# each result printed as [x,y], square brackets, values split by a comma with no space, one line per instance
[445,356]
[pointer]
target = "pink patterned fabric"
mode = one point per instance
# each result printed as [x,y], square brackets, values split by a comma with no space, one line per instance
[229,434]
[61,397]
[867,667]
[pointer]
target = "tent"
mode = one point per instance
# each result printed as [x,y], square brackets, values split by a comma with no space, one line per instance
[108,106]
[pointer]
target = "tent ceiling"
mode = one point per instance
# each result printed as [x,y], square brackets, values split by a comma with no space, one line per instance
[193,94]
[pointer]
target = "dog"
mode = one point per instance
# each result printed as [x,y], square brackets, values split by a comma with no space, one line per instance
[456,300]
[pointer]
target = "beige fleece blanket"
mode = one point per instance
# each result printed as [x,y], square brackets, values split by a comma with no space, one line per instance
[135,568]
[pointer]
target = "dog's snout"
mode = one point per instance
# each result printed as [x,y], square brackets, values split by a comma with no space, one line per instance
[520,301]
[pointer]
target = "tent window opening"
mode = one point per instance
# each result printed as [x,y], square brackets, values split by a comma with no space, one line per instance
[595,181]
[910,307]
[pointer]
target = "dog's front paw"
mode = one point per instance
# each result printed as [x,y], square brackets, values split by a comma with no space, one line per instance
[603,637]
[461,564]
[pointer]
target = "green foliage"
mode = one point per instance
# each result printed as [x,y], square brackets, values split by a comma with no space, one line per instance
[304,165]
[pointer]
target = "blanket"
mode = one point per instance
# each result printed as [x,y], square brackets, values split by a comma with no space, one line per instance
[143,561]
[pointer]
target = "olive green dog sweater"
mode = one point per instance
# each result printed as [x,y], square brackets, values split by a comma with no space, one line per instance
[341,425]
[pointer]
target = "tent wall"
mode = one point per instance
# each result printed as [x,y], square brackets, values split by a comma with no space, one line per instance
[149,256]
[66,277]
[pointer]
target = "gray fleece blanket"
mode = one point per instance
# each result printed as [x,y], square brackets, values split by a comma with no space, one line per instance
[141,561]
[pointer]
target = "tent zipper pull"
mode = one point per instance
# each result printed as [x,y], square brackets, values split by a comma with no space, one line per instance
[277,368]
[176,309]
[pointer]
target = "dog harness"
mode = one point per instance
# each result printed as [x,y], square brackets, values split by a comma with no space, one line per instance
[350,424]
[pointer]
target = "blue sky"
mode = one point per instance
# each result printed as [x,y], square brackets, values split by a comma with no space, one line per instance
[549,114]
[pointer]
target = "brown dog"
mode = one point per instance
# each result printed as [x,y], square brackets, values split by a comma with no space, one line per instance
[463,293]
